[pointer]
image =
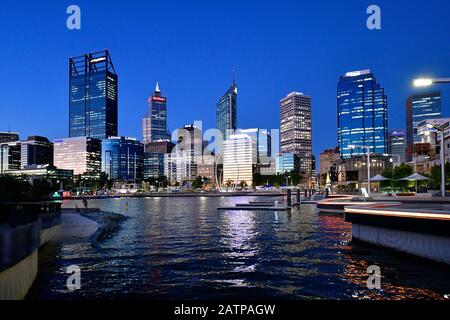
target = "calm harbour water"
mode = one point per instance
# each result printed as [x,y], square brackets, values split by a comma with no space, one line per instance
[184,248]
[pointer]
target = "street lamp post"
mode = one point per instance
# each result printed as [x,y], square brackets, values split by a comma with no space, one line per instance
[426,82]
[441,130]
[368,162]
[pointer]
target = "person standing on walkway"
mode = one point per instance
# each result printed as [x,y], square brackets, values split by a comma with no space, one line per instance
[85,203]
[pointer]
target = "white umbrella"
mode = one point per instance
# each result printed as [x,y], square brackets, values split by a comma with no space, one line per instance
[379,178]
[415,177]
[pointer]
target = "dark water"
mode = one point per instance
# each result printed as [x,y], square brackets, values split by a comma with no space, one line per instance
[183,248]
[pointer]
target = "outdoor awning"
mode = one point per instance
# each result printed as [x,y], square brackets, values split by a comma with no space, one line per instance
[378,178]
[416,177]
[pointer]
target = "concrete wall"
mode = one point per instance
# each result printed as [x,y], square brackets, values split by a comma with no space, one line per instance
[428,246]
[48,234]
[19,254]
[17,280]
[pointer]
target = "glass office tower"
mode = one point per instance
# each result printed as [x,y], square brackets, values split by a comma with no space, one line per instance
[122,159]
[397,146]
[93,104]
[10,155]
[226,111]
[263,141]
[420,107]
[362,115]
[154,158]
[155,121]
[36,150]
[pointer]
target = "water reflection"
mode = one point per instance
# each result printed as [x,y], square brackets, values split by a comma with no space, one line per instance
[185,248]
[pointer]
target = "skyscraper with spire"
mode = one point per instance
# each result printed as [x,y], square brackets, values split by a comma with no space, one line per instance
[154,127]
[156,137]
[226,110]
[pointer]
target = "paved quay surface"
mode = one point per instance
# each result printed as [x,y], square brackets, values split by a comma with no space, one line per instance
[75,228]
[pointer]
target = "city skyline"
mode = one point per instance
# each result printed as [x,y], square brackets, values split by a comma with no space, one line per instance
[195,91]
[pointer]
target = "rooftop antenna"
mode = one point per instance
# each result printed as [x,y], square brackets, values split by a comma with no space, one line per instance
[157,87]
[234,76]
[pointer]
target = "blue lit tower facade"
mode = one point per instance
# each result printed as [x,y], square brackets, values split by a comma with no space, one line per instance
[155,121]
[362,114]
[420,107]
[226,111]
[93,96]
[122,159]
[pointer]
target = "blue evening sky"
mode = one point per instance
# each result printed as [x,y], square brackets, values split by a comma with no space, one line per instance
[191,46]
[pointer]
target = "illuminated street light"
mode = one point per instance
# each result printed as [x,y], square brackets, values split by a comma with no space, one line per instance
[426,82]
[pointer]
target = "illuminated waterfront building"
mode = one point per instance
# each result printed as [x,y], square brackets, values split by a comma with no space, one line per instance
[420,107]
[262,139]
[206,167]
[226,111]
[36,150]
[362,115]
[10,155]
[93,96]
[296,129]
[122,159]
[397,146]
[181,164]
[80,154]
[154,158]
[328,159]
[154,124]
[239,159]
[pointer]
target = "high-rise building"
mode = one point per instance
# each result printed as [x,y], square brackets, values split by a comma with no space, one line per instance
[154,124]
[80,154]
[420,107]
[6,137]
[328,159]
[181,164]
[93,96]
[36,150]
[153,165]
[239,159]
[10,155]
[226,111]
[154,158]
[206,167]
[296,129]
[362,115]
[122,159]
[262,139]
[397,146]
[291,162]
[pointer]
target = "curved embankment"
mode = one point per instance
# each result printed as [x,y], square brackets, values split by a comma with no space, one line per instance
[18,260]
[108,224]
[90,225]
[28,227]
